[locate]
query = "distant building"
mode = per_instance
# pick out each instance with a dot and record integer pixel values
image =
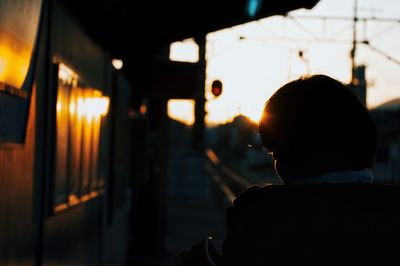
(359, 84)
(387, 164)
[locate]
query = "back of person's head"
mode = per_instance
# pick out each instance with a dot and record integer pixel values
(315, 125)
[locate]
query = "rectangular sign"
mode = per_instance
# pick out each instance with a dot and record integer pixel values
(19, 23)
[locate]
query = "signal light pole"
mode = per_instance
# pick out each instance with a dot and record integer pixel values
(200, 100)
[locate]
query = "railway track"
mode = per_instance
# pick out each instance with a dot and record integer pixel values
(230, 182)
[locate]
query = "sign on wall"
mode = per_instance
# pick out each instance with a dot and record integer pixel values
(19, 23)
(19, 27)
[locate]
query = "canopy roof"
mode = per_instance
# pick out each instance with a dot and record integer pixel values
(133, 30)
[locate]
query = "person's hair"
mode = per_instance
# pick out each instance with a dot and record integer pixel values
(317, 120)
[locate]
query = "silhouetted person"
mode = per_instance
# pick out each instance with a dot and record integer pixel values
(316, 126)
(328, 212)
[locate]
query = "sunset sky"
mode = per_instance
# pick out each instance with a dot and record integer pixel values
(255, 59)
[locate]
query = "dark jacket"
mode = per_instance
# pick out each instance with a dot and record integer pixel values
(321, 224)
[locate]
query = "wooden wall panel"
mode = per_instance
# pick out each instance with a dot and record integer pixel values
(16, 198)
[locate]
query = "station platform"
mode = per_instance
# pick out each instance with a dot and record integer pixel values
(195, 206)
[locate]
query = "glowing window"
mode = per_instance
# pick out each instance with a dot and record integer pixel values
(78, 122)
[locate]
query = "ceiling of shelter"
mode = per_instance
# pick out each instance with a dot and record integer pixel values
(134, 30)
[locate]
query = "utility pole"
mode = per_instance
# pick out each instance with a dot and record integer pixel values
(358, 83)
(353, 50)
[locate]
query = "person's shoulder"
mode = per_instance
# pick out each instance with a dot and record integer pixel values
(257, 193)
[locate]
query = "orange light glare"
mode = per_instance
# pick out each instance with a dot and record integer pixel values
(67, 75)
(72, 108)
(59, 106)
(91, 107)
(143, 109)
(103, 103)
(19, 23)
(79, 112)
(13, 65)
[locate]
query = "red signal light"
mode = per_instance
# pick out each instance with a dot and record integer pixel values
(216, 88)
